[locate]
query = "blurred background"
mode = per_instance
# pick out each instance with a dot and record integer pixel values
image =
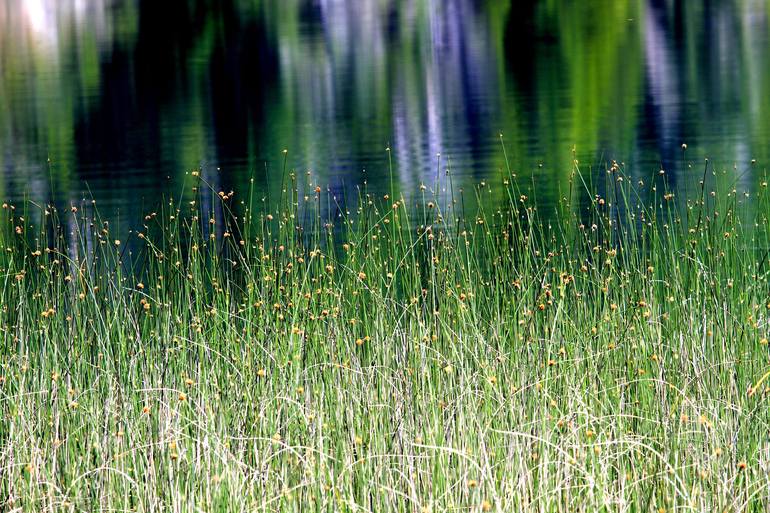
(119, 99)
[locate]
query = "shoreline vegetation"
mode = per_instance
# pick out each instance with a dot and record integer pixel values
(398, 356)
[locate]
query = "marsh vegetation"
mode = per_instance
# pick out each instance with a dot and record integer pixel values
(431, 352)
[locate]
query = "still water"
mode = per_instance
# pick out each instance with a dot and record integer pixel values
(117, 100)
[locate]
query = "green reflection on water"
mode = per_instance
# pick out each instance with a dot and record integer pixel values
(121, 95)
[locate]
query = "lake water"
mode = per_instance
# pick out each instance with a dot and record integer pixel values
(119, 100)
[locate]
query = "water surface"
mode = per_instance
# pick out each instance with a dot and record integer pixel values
(119, 100)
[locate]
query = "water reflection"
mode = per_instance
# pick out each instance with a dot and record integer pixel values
(125, 97)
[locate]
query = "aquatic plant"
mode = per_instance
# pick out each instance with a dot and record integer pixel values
(429, 353)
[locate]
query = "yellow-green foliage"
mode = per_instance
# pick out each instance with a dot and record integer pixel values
(391, 355)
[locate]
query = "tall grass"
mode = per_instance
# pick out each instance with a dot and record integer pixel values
(442, 353)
